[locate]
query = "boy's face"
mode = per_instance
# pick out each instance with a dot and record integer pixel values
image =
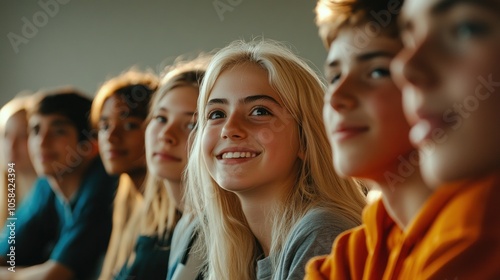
(363, 113)
(53, 145)
(449, 72)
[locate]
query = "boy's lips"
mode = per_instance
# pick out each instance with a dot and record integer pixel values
(345, 131)
(425, 126)
(47, 157)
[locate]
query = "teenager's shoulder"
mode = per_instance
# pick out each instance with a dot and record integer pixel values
(97, 179)
(317, 218)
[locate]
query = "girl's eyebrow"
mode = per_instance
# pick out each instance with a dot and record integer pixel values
(217, 101)
(165, 110)
(253, 98)
(246, 100)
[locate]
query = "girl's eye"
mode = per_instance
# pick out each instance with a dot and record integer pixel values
(261, 112)
(380, 73)
(468, 30)
(60, 131)
(216, 115)
(103, 126)
(191, 125)
(131, 125)
(160, 119)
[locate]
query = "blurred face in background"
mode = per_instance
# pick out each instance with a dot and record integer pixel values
(53, 145)
(167, 133)
(449, 72)
(121, 137)
(363, 113)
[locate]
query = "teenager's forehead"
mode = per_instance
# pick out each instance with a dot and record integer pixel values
(347, 46)
(50, 119)
(417, 8)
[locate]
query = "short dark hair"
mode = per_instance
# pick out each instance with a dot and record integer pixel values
(133, 86)
(69, 103)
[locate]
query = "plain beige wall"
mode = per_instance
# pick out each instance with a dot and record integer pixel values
(81, 43)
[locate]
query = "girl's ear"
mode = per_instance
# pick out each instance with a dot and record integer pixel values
(301, 153)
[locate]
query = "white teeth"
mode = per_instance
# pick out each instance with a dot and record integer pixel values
(239, 155)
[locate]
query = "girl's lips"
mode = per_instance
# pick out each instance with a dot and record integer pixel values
(113, 154)
(166, 157)
(236, 155)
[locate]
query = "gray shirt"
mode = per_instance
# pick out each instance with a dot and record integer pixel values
(185, 263)
(313, 235)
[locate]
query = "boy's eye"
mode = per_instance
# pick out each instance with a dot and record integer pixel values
(216, 115)
(380, 73)
(260, 112)
(468, 30)
(335, 78)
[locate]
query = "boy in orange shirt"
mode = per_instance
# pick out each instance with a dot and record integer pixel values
(449, 72)
(448, 68)
(369, 136)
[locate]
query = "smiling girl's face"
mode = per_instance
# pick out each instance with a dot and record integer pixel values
(250, 141)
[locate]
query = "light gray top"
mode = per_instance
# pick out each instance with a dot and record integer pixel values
(313, 235)
(184, 264)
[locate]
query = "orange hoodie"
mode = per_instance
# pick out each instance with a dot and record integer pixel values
(456, 235)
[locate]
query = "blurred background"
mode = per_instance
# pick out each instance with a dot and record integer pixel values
(50, 43)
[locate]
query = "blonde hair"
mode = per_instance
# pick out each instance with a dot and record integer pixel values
(230, 245)
(129, 199)
(18, 104)
(155, 213)
(332, 15)
(158, 205)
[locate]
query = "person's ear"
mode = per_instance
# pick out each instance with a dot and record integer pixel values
(301, 153)
(90, 147)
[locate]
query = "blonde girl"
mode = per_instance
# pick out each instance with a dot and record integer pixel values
(260, 175)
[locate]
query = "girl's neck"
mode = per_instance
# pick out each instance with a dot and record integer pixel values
(258, 207)
(137, 176)
(175, 190)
